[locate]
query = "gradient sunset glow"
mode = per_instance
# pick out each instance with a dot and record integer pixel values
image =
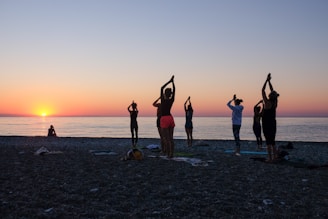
(93, 58)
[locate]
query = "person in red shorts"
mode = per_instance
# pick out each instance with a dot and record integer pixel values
(167, 121)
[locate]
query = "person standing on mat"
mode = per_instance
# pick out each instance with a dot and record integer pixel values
(158, 123)
(167, 121)
(132, 108)
(188, 125)
(269, 123)
(237, 110)
(257, 128)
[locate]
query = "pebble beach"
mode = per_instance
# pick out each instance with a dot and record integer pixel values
(87, 178)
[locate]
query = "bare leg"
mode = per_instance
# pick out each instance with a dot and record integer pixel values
(275, 152)
(188, 136)
(136, 139)
(170, 142)
(132, 137)
(269, 149)
(259, 143)
(191, 139)
(165, 138)
(163, 149)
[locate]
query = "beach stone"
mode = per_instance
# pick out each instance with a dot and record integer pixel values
(229, 187)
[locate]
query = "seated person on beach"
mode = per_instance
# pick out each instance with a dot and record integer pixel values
(52, 132)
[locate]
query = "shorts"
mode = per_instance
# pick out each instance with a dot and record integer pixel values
(167, 122)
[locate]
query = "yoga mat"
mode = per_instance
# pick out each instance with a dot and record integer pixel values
(192, 161)
(246, 152)
(95, 152)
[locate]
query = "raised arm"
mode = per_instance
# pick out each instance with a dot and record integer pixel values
(173, 88)
(270, 85)
(129, 107)
(264, 96)
(261, 101)
(256, 105)
(163, 87)
(185, 104)
(156, 104)
(229, 103)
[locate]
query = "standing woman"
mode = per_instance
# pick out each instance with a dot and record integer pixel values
(257, 128)
(158, 123)
(237, 111)
(269, 118)
(133, 122)
(167, 121)
(188, 125)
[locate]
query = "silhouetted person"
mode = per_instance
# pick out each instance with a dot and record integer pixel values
(257, 128)
(158, 122)
(269, 118)
(132, 108)
(167, 121)
(237, 111)
(51, 131)
(188, 125)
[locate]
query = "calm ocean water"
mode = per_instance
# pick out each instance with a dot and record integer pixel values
(289, 129)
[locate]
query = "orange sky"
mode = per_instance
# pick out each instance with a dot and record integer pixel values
(94, 59)
(114, 101)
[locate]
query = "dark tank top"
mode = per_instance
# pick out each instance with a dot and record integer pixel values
(269, 115)
(133, 116)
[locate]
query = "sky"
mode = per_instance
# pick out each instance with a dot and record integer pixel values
(93, 58)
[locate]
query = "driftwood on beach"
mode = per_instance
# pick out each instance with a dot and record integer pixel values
(86, 178)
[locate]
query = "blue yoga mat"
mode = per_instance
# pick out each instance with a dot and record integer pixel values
(246, 152)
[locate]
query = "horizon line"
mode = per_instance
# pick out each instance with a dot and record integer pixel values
(49, 116)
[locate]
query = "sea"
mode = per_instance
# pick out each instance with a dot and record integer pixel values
(307, 129)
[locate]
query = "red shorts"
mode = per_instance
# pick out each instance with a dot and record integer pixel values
(167, 122)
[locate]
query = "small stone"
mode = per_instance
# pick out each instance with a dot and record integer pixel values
(267, 202)
(48, 210)
(94, 190)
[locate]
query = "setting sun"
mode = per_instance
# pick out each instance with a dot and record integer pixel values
(43, 112)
